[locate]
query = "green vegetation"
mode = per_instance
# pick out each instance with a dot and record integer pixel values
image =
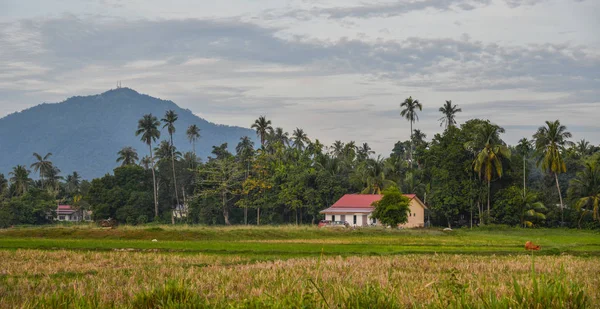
(467, 176)
(295, 266)
(393, 208)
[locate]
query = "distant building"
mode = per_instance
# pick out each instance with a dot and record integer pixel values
(70, 214)
(356, 209)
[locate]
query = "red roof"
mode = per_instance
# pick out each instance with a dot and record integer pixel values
(357, 203)
(64, 207)
(361, 200)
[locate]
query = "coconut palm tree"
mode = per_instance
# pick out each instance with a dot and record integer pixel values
(524, 148)
(169, 123)
(263, 128)
(531, 210)
(364, 151)
(586, 188)
(583, 148)
(127, 156)
(375, 178)
(42, 166)
(449, 111)
(300, 138)
(53, 178)
(549, 141)
(488, 162)
(146, 162)
(73, 182)
(3, 185)
(20, 180)
(164, 151)
(148, 129)
(278, 136)
(193, 134)
(409, 112)
(337, 149)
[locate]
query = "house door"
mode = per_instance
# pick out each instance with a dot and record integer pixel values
(365, 220)
(343, 219)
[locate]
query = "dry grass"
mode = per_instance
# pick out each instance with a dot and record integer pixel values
(115, 278)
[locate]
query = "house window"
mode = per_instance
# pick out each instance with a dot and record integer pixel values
(332, 217)
(61, 217)
(354, 219)
(374, 221)
(414, 215)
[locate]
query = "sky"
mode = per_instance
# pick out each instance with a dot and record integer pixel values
(339, 69)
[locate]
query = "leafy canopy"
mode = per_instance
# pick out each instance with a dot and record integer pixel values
(393, 207)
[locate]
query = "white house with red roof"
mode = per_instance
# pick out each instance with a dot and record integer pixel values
(356, 209)
(71, 214)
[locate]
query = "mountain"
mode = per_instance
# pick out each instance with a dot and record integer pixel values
(85, 133)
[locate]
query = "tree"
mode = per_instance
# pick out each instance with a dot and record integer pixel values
(524, 148)
(148, 129)
(489, 159)
(222, 179)
(375, 179)
(193, 134)
(364, 151)
(410, 113)
(449, 111)
(585, 188)
(263, 128)
(73, 183)
(146, 162)
(169, 123)
(300, 139)
(42, 166)
(20, 180)
(278, 136)
(127, 156)
(550, 140)
(583, 148)
(392, 209)
(245, 152)
(3, 185)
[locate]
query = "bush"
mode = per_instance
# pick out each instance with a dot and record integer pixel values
(142, 219)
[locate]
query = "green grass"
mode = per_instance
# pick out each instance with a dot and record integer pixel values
(301, 241)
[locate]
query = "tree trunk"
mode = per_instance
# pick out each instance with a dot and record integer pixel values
(562, 219)
(524, 177)
(154, 184)
(479, 210)
(225, 210)
(174, 177)
(410, 156)
(488, 202)
(258, 216)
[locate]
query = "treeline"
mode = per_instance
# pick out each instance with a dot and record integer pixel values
(467, 175)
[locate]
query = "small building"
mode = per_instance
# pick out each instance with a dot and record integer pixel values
(356, 209)
(70, 214)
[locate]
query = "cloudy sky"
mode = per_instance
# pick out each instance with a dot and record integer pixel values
(337, 68)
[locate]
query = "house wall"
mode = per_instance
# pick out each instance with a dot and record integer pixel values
(349, 218)
(417, 215)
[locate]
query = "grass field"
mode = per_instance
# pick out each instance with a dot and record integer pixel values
(282, 267)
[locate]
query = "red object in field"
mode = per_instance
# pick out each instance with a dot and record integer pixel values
(530, 246)
(323, 223)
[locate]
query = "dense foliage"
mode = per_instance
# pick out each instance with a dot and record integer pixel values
(467, 176)
(393, 208)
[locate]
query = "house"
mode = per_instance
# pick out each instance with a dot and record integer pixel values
(356, 209)
(70, 214)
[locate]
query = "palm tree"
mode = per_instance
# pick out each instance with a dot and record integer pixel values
(531, 210)
(245, 151)
(583, 148)
(524, 147)
(375, 176)
(586, 187)
(193, 134)
(73, 183)
(364, 151)
(337, 149)
(42, 166)
(164, 151)
(3, 185)
(148, 129)
(263, 128)
(169, 123)
(146, 162)
(20, 179)
(53, 178)
(449, 111)
(127, 156)
(549, 141)
(278, 136)
(489, 159)
(410, 113)
(299, 138)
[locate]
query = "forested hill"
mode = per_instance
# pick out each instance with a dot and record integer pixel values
(84, 134)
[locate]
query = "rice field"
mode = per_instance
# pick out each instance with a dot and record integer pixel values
(56, 268)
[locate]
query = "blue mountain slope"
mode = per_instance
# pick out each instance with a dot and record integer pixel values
(84, 134)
